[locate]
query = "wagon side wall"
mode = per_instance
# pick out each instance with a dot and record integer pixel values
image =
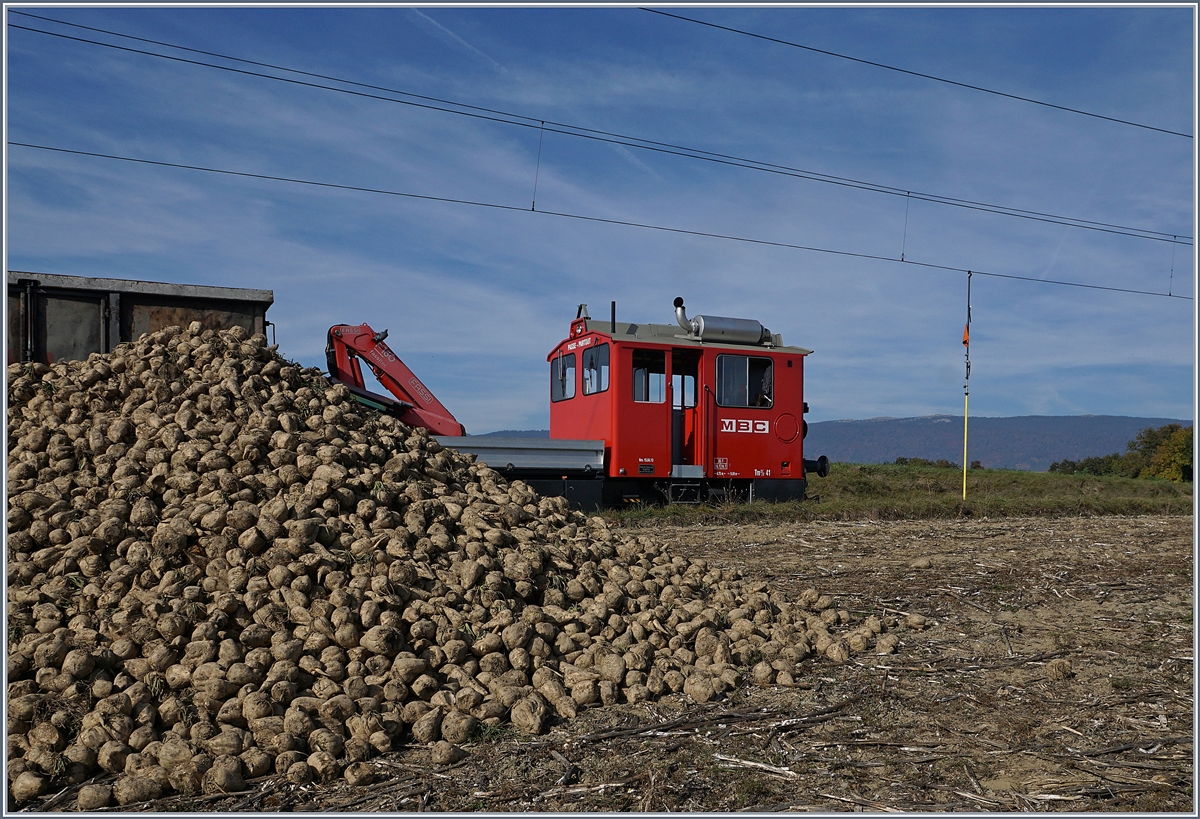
(59, 318)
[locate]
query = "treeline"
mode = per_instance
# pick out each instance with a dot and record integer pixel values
(940, 463)
(1165, 452)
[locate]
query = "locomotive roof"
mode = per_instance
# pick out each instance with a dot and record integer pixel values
(673, 334)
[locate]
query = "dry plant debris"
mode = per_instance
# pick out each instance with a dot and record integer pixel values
(221, 568)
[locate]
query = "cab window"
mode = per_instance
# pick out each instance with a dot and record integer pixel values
(595, 369)
(650, 376)
(745, 381)
(562, 377)
(683, 391)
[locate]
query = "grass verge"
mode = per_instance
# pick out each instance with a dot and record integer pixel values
(891, 492)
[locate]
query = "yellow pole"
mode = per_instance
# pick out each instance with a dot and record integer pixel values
(964, 445)
(966, 381)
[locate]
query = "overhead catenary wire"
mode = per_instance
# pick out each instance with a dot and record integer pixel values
(904, 241)
(537, 170)
(584, 217)
(1171, 281)
(520, 120)
(1017, 97)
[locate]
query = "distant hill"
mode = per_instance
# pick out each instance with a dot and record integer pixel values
(1030, 442)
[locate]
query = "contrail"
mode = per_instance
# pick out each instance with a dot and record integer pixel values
(456, 38)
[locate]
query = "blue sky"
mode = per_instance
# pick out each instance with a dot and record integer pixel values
(475, 297)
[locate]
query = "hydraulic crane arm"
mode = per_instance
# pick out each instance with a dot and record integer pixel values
(347, 344)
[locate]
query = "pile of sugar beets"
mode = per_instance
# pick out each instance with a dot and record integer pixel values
(220, 567)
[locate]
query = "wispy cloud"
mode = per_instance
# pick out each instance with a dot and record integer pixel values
(475, 297)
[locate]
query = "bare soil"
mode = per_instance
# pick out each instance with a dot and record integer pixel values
(1054, 674)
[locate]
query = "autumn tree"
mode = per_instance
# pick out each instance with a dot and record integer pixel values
(1172, 458)
(1156, 452)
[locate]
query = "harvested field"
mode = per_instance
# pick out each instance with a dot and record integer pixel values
(980, 711)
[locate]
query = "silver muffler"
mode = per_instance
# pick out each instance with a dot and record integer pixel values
(721, 328)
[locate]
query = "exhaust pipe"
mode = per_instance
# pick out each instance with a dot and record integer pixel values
(681, 317)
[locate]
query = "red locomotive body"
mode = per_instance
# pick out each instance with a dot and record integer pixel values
(707, 409)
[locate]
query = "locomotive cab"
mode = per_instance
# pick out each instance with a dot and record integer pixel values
(706, 409)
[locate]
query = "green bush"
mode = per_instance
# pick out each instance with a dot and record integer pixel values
(1099, 465)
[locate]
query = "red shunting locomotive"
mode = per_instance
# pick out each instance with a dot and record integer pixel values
(706, 409)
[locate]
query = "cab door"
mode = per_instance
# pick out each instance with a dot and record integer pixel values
(687, 448)
(642, 446)
(741, 417)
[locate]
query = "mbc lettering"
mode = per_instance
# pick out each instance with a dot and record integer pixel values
(745, 425)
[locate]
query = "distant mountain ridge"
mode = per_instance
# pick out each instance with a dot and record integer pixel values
(1029, 442)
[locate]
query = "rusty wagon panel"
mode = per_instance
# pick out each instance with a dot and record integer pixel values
(55, 318)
